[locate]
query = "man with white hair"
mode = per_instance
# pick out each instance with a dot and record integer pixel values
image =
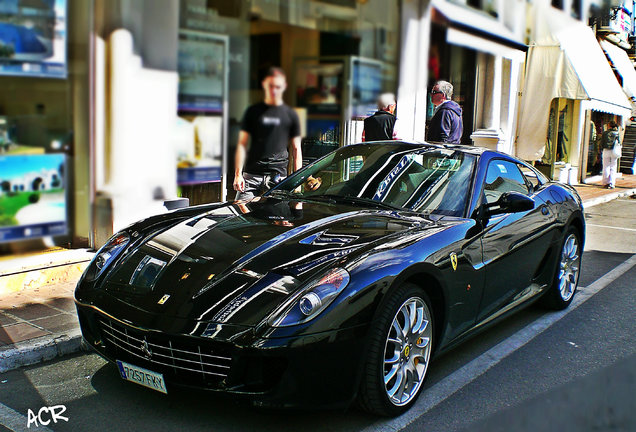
(382, 125)
(446, 125)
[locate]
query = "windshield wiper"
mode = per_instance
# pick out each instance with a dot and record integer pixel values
(282, 193)
(357, 200)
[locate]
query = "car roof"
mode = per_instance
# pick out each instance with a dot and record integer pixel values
(463, 148)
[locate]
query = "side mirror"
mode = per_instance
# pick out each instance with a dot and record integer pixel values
(510, 202)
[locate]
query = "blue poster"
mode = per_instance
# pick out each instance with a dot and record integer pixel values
(32, 196)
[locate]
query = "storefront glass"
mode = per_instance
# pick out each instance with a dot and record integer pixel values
(457, 65)
(338, 57)
(36, 120)
(599, 122)
(556, 162)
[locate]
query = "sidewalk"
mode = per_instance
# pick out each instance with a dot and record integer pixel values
(37, 313)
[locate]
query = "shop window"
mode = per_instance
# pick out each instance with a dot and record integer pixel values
(577, 9)
(559, 139)
(334, 52)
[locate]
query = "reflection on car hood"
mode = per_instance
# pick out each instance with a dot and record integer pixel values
(237, 263)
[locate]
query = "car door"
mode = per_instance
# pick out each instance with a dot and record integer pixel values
(514, 244)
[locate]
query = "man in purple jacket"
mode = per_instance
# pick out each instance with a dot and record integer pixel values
(446, 125)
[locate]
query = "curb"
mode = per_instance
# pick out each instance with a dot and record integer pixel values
(609, 197)
(38, 270)
(39, 350)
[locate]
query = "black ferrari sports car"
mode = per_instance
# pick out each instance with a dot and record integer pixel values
(341, 283)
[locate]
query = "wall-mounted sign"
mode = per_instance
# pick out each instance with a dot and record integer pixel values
(202, 63)
(366, 87)
(33, 38)
(32, 196)
(622, 24)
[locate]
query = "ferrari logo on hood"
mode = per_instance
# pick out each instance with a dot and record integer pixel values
(453, 258)
(164, 299)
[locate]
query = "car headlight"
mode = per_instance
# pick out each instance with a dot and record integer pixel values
(106, 255)
(311, 300)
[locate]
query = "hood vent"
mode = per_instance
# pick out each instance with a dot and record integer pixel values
(324, 239)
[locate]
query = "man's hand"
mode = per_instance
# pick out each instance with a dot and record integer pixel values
(239, 183)
(239, 161)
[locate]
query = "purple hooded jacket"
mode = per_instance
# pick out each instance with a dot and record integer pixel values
(446, 125)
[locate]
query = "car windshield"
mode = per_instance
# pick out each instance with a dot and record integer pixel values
(421, 179)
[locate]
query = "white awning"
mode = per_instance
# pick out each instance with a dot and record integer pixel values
(461, 38)
(470, 19)
(566, 62)
(624, 66)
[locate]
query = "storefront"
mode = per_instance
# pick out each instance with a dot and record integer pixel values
(174, 100)
(479, 50)
(569, 88)
(44, 166)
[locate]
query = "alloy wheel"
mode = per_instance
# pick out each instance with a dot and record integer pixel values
(407, 351)
(569, 267)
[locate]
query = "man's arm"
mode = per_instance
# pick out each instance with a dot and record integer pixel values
(446, 125)
(296, 154)
(397, 134)
(239, 161)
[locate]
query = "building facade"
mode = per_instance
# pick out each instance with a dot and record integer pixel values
(136, 103)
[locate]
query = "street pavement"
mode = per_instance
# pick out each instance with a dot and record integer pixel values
(545, 373)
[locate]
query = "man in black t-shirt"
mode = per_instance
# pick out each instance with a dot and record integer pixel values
(270, 126)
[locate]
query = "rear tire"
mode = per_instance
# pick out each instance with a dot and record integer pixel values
(401, 341)
(568, 269)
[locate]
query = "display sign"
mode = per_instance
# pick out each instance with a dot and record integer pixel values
(197, 175)
(33, 38)
(366, 87)
(32, 196)
(202, 60)
(622, 24)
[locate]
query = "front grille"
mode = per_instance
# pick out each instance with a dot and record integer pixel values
(186, 360)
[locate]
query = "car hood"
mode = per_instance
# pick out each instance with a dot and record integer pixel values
(239, 262)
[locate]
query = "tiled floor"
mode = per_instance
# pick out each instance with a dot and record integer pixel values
(37, 312)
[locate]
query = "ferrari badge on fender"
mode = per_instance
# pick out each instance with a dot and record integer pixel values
(453, 257)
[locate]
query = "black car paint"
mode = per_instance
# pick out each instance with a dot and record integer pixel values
(380, 248)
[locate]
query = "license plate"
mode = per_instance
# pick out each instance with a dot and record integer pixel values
(142, 376)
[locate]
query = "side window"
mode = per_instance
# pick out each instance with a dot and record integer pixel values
(503, 176)
(530, 176)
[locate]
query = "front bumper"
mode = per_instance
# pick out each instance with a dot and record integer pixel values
(319, 370)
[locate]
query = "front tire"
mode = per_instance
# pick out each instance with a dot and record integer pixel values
(399, 353)
(568, 270)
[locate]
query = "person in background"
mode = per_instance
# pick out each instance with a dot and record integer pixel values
(271, 128)
(383, 124)
(446, 125)
(610, 140)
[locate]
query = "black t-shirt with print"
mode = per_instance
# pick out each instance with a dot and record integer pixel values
(270, 128)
